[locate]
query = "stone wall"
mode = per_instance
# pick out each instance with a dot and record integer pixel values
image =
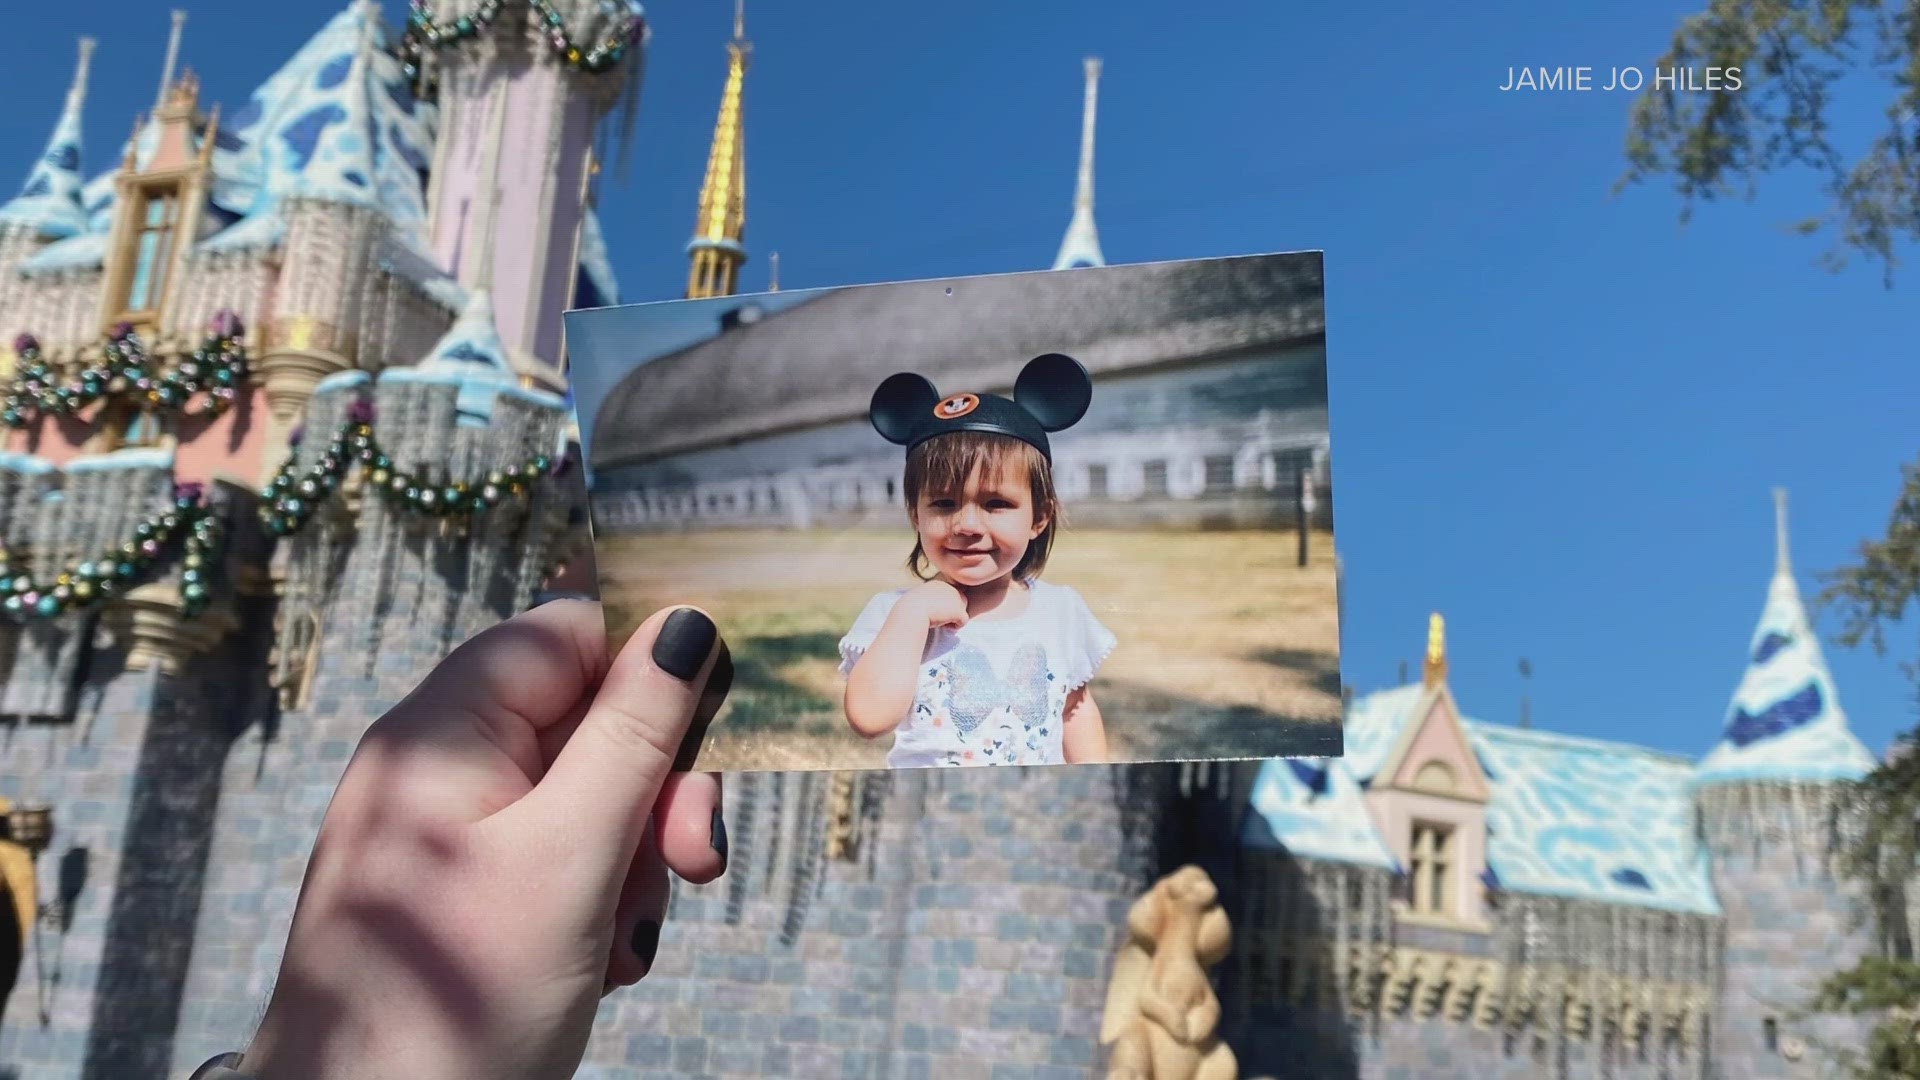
(969, 936)
(1790, 923)
(131, 776)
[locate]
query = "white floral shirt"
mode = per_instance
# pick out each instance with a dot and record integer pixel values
(993, 692)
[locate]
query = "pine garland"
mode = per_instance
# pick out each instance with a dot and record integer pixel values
(213, 375)
(291, 498)
(423, 33)
(82, 584)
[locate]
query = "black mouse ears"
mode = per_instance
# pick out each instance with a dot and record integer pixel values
(1053, 391)
(902, 406)
(1056, 389)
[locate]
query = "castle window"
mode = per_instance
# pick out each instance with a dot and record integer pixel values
(1771, 1030)
(1097, 481)
(152, 249)
(1432, 865)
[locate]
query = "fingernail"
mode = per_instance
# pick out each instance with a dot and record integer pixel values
(719, 831)
(646, 941)
(684, 642)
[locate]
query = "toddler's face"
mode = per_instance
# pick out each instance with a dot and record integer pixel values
(981, 533)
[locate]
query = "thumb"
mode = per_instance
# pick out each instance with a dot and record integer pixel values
(595, 800)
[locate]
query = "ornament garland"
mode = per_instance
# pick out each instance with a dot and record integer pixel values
(82, 584)
(291, 498)
(423, 33)
(213, 374)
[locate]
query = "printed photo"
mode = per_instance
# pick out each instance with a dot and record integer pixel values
(1070, 517)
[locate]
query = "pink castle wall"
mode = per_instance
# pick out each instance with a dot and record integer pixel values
(231, 446)
(522, 220)
(529, 293)
(1440, 740)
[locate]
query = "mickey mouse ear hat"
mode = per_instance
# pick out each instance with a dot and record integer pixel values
(1052, 394)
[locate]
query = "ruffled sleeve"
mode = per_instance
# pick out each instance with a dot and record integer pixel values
(1088, 641)
(865, 629)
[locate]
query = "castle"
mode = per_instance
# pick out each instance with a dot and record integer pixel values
(285, 422)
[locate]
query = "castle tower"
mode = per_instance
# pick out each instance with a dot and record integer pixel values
(1764, 799)
(1081, 246)
(520, 101)
(49, 204)
(717, 247)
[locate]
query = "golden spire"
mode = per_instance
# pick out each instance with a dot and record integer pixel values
(717, 248)
(1436, 667)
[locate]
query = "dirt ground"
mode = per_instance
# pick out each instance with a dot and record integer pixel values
(1227, 648)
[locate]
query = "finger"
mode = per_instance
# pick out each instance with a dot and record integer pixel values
(690, 827)
(641, 913)
(714, 695)
(596, 798)
(532, 668)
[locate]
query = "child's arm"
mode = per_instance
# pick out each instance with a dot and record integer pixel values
(1085, 734)
(881, 687)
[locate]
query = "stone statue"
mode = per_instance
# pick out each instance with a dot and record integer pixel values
(1162, 1014)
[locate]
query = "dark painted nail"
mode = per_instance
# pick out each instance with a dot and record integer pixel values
(684, 642)
(646, 941)
(719, 831)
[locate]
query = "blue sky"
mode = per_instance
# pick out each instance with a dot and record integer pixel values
(1557, 414)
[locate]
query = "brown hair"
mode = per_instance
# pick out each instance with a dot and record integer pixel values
(945, 462)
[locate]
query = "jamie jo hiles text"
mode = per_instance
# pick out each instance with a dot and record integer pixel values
(1630, 79)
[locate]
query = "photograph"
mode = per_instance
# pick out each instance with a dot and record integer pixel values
(1067, 517)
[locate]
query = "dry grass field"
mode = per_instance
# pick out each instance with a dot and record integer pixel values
(1227, 648)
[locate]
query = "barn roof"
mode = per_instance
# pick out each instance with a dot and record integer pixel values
(819, 361)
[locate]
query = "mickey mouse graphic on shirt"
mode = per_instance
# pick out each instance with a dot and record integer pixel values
(983, 663)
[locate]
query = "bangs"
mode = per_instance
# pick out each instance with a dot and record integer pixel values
(942, 465)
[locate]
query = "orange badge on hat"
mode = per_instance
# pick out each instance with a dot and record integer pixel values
(957, 406)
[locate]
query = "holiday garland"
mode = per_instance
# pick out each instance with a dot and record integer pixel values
(82, 584)
(216, 370)
(423, 33)
(292, 499)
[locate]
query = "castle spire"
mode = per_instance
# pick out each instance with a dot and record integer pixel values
(717, 247)
(1081, 247)
(173, 58)
(1783, 564)
(49, 203)
(1436, 666)
(1785, 722)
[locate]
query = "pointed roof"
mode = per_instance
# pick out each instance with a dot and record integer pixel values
(1566, 816)
(472, 356)
(337, 122)
(722, 223)
(1785, 722)
(50, 201)
(1081, 246)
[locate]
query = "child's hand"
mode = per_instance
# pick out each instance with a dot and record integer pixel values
(941, 603)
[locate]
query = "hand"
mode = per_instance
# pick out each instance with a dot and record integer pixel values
(495, 857)
(940, 602)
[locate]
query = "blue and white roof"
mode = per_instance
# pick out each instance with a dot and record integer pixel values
(1583, 818)
(1591, 820)
(50, 201)
(1570, 817)
(1785, 722)
(338, 122)
(472, 356)
(599, 286)
(1313, 808)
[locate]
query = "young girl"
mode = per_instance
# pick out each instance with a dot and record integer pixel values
(983, 663)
